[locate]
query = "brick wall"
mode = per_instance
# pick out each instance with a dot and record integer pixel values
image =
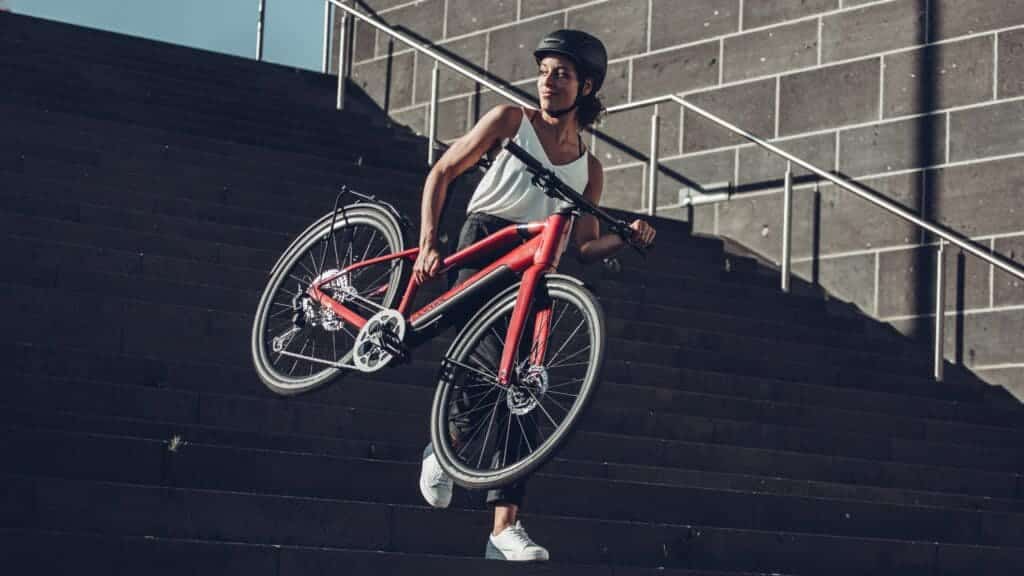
(920, 100)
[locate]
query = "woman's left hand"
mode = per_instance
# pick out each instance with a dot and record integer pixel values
(643, 233)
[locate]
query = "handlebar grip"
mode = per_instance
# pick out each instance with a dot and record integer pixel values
(621, 228)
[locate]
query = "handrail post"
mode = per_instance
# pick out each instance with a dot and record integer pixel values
(940, 310)
(652, 168)
(327, 39)
(259, 30)
(344, 56)
(435, 75)
(787, 227)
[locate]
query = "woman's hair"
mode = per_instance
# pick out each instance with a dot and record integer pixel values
(589, 111)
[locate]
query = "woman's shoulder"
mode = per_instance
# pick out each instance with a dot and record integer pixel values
(507, 115)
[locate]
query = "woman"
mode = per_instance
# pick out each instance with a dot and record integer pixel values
(571, 68)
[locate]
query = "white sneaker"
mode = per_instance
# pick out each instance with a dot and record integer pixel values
(435, 485)
(514, 544)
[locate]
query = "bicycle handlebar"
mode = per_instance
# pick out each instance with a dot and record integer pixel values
(554, 187)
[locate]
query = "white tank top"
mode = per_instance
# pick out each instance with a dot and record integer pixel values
(507, 191)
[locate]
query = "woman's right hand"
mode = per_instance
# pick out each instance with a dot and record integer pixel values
(428, 263)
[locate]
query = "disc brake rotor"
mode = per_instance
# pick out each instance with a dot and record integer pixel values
(524, 396)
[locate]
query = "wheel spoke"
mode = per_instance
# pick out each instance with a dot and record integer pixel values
(487, 435)
(569, 339)
(570, 357)
(526, 437)
(508, 432)
(541, 406)
(472, 369)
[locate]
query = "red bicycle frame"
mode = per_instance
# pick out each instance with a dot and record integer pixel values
(545, 241)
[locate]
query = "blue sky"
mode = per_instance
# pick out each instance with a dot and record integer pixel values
(293, 28)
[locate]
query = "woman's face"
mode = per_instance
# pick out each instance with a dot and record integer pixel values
(557, 84)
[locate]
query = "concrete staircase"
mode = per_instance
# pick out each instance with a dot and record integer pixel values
(145, 192)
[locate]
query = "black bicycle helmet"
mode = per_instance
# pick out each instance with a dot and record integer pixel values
(585, 51)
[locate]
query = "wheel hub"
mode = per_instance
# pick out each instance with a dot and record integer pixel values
(523, 397)
(339, 288)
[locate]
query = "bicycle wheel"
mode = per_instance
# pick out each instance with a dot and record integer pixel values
(297, 343)
(485, 435)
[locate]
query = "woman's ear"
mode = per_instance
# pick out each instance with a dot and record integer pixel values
(588, 87)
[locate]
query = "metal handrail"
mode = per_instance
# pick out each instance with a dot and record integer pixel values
(939, 230)
(944, 233)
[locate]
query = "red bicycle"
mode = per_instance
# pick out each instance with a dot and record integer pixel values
(501, 408)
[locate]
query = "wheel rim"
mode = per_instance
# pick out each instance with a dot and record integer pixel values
(291, 322)
(493, 431)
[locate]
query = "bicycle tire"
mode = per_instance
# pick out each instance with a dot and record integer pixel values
(457, 461)
(314, 253)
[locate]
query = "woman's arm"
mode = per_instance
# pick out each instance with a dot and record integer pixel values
(501, 122)
(593, 246)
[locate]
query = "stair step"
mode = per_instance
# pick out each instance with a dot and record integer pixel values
(174, 556)
(102, 508)
(394, 436)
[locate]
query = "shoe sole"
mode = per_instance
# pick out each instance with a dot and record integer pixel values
(493, 553)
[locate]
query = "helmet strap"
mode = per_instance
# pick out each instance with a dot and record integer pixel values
(560, 113)
(575, 104)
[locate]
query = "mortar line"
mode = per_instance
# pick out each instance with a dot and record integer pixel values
(650, 22)
(736, 82)
(740, 33)
(996, 366)
(949, 124)
(884, 249)
(821, 26)
(736, 169)
(519, 10)
(629, 81)
(992, 278)
(444, 22)
(721, 61)
(839, 149)
(682, 121)
(859, 178)
(487, 51)
(881, 88)
(954, 313)
(995, 66)
(778, 104)
(835, 164)
(878, 265)
(740, 26)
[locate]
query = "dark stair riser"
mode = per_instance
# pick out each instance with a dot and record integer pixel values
(101, 508)
(149, 463)
(605, 416)
(403, 437)
(172, 557)
(208, 336)
(654, 409)
(188, 374)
